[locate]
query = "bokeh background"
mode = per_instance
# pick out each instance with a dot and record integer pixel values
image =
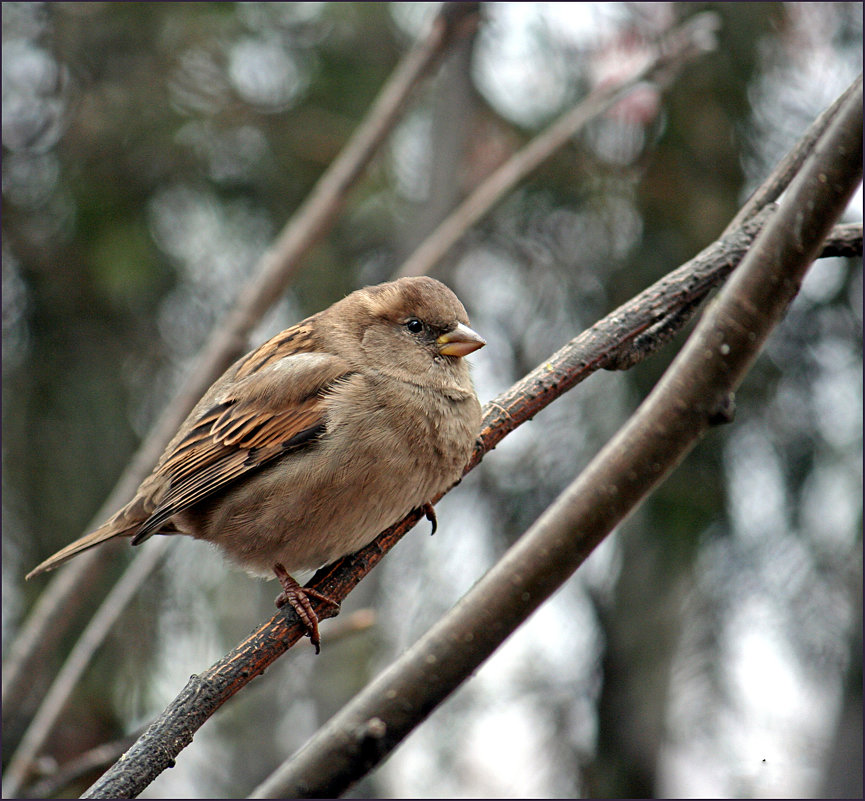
(712, 646)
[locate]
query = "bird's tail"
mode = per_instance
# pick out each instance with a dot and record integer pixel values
(118, 526)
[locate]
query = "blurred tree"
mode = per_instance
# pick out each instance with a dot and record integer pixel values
(150, 152)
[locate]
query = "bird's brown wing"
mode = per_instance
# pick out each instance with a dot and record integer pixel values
(273, 406)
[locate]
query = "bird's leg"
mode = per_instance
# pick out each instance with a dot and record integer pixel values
(430, 514)
(297, 598)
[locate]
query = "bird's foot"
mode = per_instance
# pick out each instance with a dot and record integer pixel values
(297, 598)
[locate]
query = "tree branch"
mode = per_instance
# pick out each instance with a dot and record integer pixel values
(695, 393)
(843, 240)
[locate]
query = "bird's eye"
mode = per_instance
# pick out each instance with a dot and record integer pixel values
(414, 325)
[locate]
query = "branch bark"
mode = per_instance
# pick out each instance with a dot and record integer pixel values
(695, 394)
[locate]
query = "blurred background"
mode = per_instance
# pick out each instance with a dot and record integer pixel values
(712, 646)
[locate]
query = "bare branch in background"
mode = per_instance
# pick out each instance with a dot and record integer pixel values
(76, 663)
(691, 39)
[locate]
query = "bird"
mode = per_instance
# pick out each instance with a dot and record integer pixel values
(309, 446)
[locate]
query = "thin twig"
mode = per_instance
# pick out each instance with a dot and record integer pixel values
(101, 756)
(843, 240)
(787, 169)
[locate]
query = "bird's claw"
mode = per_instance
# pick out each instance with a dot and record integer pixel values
(430, 515)
(297, 598)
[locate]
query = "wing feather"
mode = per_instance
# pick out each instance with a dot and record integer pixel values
(274, 405)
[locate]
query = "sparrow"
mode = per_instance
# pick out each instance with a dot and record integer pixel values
(312, 444)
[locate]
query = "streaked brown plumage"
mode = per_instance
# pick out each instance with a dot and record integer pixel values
(309, 446)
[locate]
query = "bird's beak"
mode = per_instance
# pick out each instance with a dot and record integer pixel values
(460, 342)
